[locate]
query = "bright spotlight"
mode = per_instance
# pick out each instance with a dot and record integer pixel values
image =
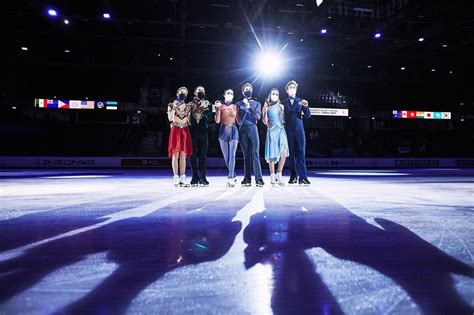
(269, 64)
(52, 12)
(324, 31)
(106, 15)
(378, 35)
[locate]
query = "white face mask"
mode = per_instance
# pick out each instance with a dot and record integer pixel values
(274, 98)
(228, 97)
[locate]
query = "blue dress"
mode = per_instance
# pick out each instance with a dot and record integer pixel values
(276, 135)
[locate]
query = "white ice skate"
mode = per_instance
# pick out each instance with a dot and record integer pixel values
(176, 180)
(273, 179)
(279, 179)
(231, 182)
(183, 181)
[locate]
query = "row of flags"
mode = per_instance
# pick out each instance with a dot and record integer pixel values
(113, 105)
(73, 104)
(409, 114)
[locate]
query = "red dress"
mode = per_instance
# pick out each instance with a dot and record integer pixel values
(180, 135)
(179, 141)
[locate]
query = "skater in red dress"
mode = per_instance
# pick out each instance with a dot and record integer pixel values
(179, 144)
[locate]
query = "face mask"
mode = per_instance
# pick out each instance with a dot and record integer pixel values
(274, 98)
(181, 97)
(201, 95)
(248, 94)
(228, 98)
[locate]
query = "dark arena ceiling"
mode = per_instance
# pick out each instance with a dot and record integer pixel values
(195, 41)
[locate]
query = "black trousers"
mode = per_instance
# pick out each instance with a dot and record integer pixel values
(297, 148)
(200, 145)
(250, 144)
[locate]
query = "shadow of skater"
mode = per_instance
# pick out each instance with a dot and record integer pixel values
(298, 289)
(280, 235)
(144, 248)
(38, 226)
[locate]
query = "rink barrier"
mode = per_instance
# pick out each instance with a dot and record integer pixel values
(163, 162)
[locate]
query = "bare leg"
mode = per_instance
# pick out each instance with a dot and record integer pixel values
(182, 163)
(271, 165)
(174, 163)
(281, 163)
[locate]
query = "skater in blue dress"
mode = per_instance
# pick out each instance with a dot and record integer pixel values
(276, 144)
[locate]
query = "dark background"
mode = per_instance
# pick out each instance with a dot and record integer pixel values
(149, 48)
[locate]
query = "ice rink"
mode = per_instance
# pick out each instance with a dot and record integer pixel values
(128, 241)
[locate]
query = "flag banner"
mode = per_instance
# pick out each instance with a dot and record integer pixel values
(74, 104)
(410, 114)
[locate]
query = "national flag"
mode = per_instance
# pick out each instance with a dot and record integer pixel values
(75, 104)
(39, 102)
(404, 114)
(437, 115)
(87, 104)
(49, 103)
(111, 105)
(429, 115)
(99, 105)
(63, 104)
(420, 115)
(411, 114)
(397, 114)
(446, 115)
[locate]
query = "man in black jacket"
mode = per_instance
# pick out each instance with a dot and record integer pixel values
(200, 116)
(295, 109)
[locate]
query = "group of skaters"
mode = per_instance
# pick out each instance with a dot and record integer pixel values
(285, 136)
